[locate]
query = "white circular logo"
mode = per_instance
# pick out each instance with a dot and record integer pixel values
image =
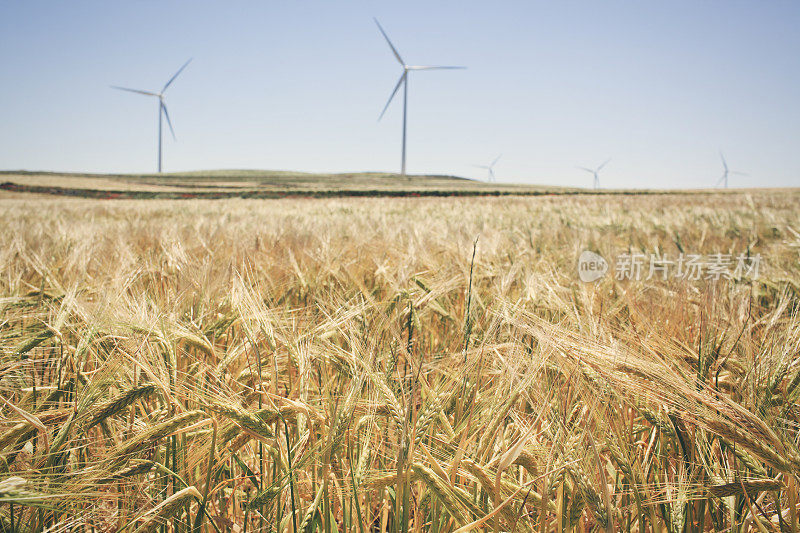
(591, 266)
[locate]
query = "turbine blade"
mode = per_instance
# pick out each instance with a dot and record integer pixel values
(435, 67)
(394, 50)
(496, 159)
(484, 167)
(719, 180)
(586, 169)
(724, 163)
(739, 173)
(604, 164)
(169, 122)
(396, 88)
(176, 75)
(146, 93)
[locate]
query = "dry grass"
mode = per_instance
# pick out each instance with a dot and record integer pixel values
(346, 365)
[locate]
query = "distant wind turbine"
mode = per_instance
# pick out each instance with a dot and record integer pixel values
(595, 172)
(724, 177)
(404, 82)
(490, 168)
(162, 107)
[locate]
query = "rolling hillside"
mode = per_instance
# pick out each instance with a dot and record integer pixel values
(253, 184)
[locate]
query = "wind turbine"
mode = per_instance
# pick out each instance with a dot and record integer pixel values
(162, 107)
(404, 82)
(490, 168)
(724, 177)
(595, 172)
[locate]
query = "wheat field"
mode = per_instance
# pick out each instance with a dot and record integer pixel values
(397, 365)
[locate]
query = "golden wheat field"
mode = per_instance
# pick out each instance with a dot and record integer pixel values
(398, 365)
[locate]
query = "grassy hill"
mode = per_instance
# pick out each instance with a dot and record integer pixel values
(254, 183)
(220, 184)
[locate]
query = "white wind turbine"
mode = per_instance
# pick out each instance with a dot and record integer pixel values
(595, 172)
(404, 82)
(490, 168)
(726, 171)
(162, 106)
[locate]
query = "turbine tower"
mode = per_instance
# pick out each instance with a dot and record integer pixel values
(490, 168)
(595, 172)
(162, 107)
(404, 82)
(724, 178)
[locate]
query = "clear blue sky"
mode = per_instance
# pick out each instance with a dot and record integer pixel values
(659, 86)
